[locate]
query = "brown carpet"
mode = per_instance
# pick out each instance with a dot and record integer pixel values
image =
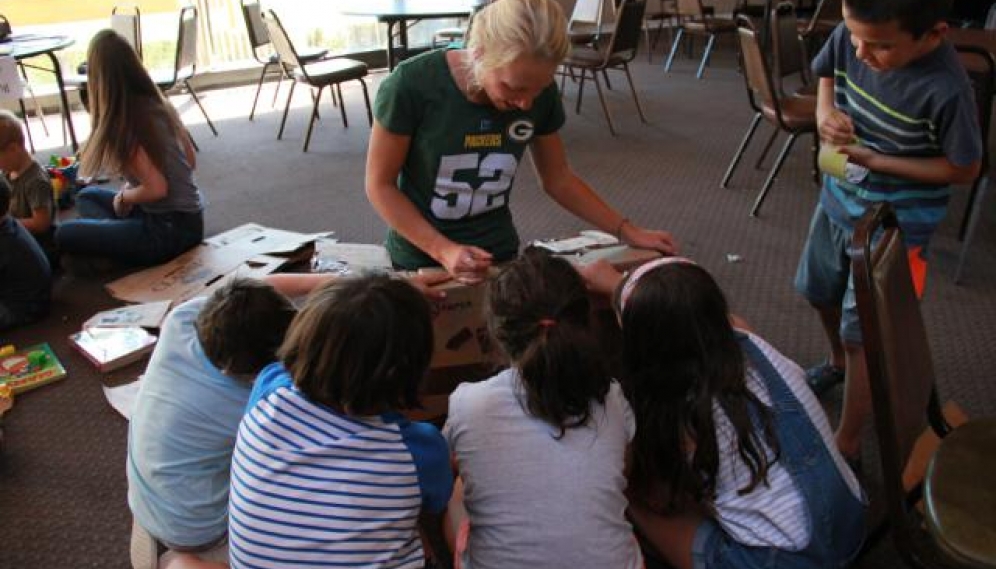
(62, 482)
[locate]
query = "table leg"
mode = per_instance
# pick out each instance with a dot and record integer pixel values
(66, 111)
(390, 45)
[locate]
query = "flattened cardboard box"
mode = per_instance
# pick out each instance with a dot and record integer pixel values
(249, 250)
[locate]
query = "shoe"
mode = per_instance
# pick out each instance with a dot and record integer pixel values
(823, 377)
(144, 550)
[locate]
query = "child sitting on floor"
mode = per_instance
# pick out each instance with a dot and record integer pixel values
(25, 275)
(32, 202)
(326, 472)
(541, 446)
(733, 463)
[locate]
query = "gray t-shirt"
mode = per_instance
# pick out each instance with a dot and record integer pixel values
(30, 191)
(181, 191)
(535, 500)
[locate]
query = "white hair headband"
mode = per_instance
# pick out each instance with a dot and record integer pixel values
(630, 282)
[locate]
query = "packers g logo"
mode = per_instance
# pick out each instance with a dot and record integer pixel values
(521, 130)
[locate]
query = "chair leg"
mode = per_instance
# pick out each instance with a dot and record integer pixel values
(705, 55)
(192, 141)
(764, 151)
(366, 101)
(774, 172)
(27, 125)
(605, 74)
(283, 121)
(314, 116)
(740, 150)
(674, 49)
(197, 100)
(342, 107)
(632, 89)
(972, 195)
(577, 105)
(982, 184)
(276, 90)
(601, 99)
(259, 87)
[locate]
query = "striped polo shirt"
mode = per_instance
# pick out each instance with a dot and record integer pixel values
(923, 109)
(315, 488)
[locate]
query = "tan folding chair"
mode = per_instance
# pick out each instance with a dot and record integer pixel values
(259, 37)
(794, 115)
(957, 528)
(696, 19)
(177, 80)
(620, 50)
(326, 73)
(127, 22)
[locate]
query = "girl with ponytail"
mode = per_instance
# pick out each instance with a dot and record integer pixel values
(541, 446)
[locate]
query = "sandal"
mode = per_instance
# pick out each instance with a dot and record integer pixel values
(823, 377)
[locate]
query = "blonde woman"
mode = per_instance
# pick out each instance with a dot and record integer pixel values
(451, 128)
(158, 213)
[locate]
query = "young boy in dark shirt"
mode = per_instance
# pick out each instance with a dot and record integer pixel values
(895, 99)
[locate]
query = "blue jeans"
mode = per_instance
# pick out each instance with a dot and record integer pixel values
(141, 238)
(836, 516)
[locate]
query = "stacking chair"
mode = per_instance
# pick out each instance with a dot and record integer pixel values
(958, 525)
(660, 12)
(259, 37)
(177, 80)
(794, 115)
(788, 61)
(128, 24)
(620, 50)
(695, 19)
(820, 25)
(981, 68)
(326, 73)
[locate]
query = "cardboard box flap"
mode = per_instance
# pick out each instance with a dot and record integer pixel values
(206, 266)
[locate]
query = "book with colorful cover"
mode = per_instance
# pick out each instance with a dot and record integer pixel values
(113, 348)
(29, 368)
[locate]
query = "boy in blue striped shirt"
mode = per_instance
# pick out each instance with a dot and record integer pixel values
(893, 95)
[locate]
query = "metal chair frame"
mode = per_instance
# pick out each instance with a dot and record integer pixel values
(185, 63)
(347, 70)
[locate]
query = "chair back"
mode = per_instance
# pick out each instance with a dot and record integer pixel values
(990, 23)
(760, 87)
(981, 68)
(691, 9)
(827, 11)
(282, 43)
(627, 30)
(897, 356)
(186, 45)
(787, 48)
(129, 26)
(252, 13)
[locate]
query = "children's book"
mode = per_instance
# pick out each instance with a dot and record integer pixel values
(113, 348)
(29, 368)
(146, 315)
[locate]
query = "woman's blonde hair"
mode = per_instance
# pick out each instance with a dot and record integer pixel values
(127, 110)
(509, 29)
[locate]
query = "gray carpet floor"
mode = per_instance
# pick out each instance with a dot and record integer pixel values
(62, 482)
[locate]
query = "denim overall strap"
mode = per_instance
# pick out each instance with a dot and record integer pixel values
(836, 516)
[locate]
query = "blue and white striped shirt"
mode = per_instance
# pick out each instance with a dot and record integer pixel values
(923, 109)
(315, 488)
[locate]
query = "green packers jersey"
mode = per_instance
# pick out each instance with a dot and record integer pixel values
(463, 156)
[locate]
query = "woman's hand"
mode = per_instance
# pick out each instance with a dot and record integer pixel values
(466, 263)
(657, 240)
(121, 208)
(600, 277)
